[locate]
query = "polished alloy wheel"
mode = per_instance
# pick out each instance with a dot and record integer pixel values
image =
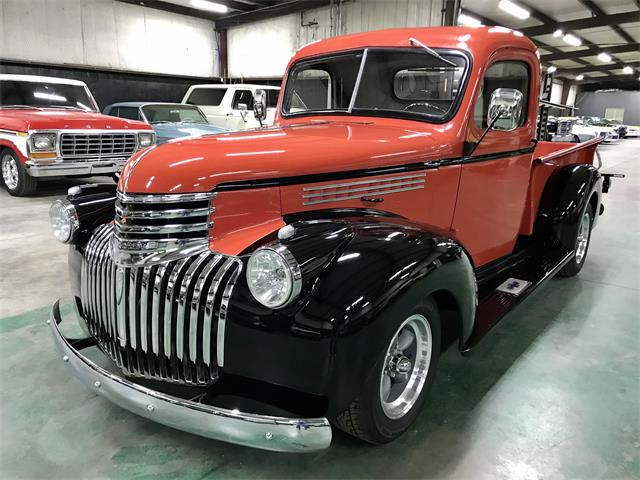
(583, 236)
(405, 367)
(9, 171)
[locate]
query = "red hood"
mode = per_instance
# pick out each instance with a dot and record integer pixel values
(200, 164)
(56, 119)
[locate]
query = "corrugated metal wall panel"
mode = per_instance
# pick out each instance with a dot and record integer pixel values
(262, 49)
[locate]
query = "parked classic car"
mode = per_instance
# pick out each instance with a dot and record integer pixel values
(594, 126)
(169, 120)
(230, 106)
(51, 127)
(399, 200)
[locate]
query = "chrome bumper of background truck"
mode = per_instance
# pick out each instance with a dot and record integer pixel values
(67, 168)
(258, 431)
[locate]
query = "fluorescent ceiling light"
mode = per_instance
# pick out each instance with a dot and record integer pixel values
(572, 40)
(558, 33)
(552, 69)
(604, 57)
(579, 77)
(209, 6)
(627, 70)
(468, 21)
(513, 9)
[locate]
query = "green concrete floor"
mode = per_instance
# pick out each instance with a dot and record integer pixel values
(553, 393)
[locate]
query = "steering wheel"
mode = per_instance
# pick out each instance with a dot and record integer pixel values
(411, 106)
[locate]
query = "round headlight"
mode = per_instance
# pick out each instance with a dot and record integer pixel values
(273, 276)
(64, 221)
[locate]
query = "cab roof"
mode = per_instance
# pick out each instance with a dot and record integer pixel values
(40, 79)
(480, 42)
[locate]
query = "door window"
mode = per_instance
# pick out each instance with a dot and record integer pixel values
(242, 96)
(210, 97)
(509, 74)
(127, 112)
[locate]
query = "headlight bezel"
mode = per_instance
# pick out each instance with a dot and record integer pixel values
(72, 219)
(152, 139)
(291, 268)
(53, 142)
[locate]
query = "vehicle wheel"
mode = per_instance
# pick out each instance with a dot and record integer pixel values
(15, 177)
(583, 238)
(392, 399)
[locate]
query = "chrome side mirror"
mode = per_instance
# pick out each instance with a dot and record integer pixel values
(260, 105)
(506, 104)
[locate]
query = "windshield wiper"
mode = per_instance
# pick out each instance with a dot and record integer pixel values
(431, 52)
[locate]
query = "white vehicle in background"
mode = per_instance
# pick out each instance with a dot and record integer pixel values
(632, 132)
(586, 126)
(231, 106)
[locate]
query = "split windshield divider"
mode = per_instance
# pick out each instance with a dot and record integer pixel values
(358, 79)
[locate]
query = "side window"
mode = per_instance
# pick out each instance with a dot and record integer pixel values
(127, 112)
(508, 74)
(242, 96)
(210, 97)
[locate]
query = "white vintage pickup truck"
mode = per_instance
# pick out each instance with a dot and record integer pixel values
(230, 106)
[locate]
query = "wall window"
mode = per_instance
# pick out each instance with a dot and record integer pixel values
(507, 74)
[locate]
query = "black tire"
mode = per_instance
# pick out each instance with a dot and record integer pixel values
(365, 418)
(577, 262)
(22, 184)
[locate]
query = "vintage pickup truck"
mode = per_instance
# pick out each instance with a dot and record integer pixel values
(51, 127)
(258, 287)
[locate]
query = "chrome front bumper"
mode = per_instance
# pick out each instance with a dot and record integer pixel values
(258, 431)
(63, 169)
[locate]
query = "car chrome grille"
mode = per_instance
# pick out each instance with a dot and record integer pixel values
(164, 321)
(156, 228)
(338, 192)
(78, 145)
(564, 127)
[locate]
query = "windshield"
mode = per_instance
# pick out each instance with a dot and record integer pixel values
(42, 94)
(173, 114)
(407, 82)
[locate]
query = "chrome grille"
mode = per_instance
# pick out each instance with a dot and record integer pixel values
(164, 321)
(564, 127)
(76, 145)
(155, 228)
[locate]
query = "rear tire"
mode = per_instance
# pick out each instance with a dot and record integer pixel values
(14, 176)
(583, 239)
(392, 398)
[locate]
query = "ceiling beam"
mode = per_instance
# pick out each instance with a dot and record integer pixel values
(592, 22)
(275, 10)
(550, 57)
(598, 68)
(539, 43)
(173, 8)
(598, 12)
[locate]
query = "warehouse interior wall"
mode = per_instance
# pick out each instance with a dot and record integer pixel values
(595, 104)
(107, 34)
(263, 49)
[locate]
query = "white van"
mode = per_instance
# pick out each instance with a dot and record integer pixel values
(231, 106)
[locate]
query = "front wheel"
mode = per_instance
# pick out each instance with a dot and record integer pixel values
(583, 238)
(15, 177)
(390, 402)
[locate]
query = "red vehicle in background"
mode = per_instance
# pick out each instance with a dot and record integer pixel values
(51, 127)
(258, 287)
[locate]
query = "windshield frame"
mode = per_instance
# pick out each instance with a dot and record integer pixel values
(358, 112)
(175, 105)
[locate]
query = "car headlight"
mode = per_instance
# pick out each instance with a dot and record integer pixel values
(146, 139)
(64, 221)
(274, 276)
(43, 142)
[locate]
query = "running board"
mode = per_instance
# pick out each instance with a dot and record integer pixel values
(530, 271)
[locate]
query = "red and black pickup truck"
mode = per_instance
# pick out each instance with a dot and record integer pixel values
(259, 287)
(51, 127)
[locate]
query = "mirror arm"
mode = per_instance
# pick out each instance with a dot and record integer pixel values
(473, 145)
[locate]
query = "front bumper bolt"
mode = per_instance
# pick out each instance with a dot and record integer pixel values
(97, 384)
(150, 407)
(268, 435)
(65, 359)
